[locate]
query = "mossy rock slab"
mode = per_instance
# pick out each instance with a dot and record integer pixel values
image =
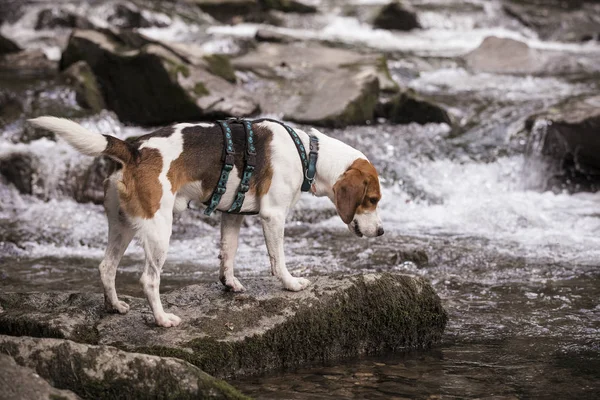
(104, 372)
(314, 84)
(88, 94)
(147, 82)
(25, 384)
(227, 334)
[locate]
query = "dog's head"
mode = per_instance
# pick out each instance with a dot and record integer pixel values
(357, 194)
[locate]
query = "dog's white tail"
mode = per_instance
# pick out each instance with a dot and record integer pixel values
(87, 142)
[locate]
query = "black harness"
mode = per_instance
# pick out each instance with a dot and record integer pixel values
(309, 162)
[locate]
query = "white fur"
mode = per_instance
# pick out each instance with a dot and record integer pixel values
(87, 142)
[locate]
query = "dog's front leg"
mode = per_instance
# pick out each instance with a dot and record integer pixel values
(273, 228)
(230, 232)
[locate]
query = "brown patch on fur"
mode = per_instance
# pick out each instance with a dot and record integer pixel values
(357, 191)
(201, 159)
(140, 190)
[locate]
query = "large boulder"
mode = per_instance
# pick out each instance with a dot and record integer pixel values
(82, 79)
(557, 20)
(567, 137)
(104, 372)
(226, 334)
(508, 56)
(25, 384)
(396, 16)
(313, 84)
(145, 82)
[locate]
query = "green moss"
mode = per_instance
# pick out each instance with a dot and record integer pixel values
(220, 65)
(200, 89)
(370, 317)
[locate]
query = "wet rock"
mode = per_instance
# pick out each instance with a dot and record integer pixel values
(28, 63)
(11, 108)
(396, 16)
(557, 20)
(250, 10)
(268, 35)
(266, 327)
(89, 186)
(103, 372)
(8, 46)
(88, 94)
(18, 169)
(51, 18)
(25, 384)
(313, 84)
(567, 137)
(407, 107)
(146, 82)
(128, 16)
(509, 56)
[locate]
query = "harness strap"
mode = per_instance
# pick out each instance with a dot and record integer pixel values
(228, 161)
(309, 163)
(250, 158)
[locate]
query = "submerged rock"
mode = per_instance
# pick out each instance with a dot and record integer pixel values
(18, 169)
(146, 82)
(25, 384)
(396, 16)
(103, 372)
(313, 84)
(568, 137)
(227, 334)
(28, 63)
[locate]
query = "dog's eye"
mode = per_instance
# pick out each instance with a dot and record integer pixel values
(373, 200)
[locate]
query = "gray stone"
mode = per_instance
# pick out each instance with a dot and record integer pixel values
(557, 20)
(88, 94)
(24, 384)
(28, 63)
(51, 18)
(313, 84)
(17, 168)
(568, 137)
(407, 107)
(146, 82)
(226, 334)
(250, 10)
(396, 16)
(509, 56)
(104, 372)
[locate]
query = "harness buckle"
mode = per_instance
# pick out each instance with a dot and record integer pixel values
(230, 159)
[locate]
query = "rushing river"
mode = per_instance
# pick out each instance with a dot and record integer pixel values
(516, 267)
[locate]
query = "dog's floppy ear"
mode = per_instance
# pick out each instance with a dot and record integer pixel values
(349, 192)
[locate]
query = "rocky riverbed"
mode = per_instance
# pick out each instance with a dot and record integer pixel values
(480, 115)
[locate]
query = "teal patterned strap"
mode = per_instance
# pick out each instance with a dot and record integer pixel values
(227, 167)
(250, 158)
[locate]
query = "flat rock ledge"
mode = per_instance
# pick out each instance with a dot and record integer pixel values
(103, 372)
(231, 334)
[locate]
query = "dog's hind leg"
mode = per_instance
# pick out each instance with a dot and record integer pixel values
(155, 234)
(230, 232)
(120, 233)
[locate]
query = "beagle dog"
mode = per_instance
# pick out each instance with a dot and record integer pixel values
(164, 170)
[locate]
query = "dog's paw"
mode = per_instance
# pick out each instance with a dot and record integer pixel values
(234, 285)
(297, 284)
(119, 307)
(167, 320)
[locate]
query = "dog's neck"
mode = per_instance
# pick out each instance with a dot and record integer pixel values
(334, 159)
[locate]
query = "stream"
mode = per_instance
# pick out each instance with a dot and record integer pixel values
(517, 268)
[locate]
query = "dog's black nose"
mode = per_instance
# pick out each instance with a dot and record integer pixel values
(379, 231)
